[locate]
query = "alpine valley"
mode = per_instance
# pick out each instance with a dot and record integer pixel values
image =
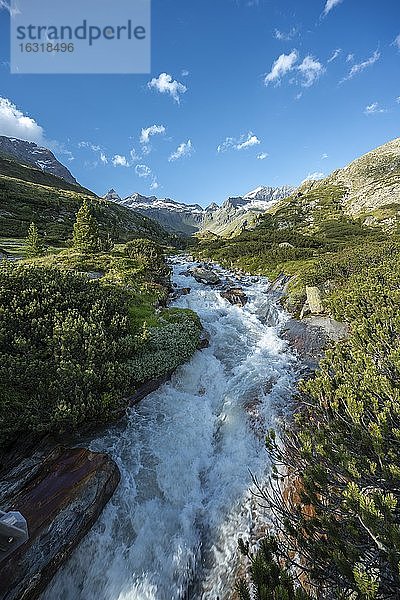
(200, 402)
(234, 215)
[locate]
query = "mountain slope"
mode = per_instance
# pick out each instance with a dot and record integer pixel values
(178, 218)
(28, 194)
(29, 153)
(367, 189)
(356, 207)
(228, 219)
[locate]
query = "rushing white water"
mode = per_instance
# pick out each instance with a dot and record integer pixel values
(185, 454)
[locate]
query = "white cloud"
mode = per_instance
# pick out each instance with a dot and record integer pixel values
(262, 155)
(243, 143)
(143, 171)
(330, 4)
(316, 176)
(134, 155)
(396, 42)
(119, 160)
(283, 36)
(149, 131)
(311, 70)
(335, 54)
(103, 158)
(13, 123)
(350, 58)
(298, 96)
(398, 99)
(89, 145)
(185, 73)
(184, 149)
(283, 64)
(374, 109)
(165, 84)
(252, 140)
(324, 156)
(360, 67)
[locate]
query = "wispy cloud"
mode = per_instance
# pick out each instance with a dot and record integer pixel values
(184, 149)
(252, 140)
(324, 156)
(374, 109)
(360, 67)
(330, 4)
(350, 58)
(316, 176)
(396, 42)
(282, 65)
(335, 55)
(165, 84)
(103, 158)
(144, 172)
(310, 69)
(119, 160)
(244, 142)
(285, 36)
(90, 146)
(262, 156)
(147, 132)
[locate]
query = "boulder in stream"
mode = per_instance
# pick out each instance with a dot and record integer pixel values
(235, 296)
(206, 276)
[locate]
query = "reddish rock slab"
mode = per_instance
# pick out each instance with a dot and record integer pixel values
(61, 495)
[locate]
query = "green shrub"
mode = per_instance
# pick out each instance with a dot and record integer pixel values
(65, 346)
(344, 447)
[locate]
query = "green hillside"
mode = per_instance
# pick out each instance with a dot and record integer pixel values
(28, 194)
(354, 208)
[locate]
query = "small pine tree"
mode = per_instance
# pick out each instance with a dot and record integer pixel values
(34, 245)
(86, 233)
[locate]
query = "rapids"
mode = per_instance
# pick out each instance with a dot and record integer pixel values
(186, 454)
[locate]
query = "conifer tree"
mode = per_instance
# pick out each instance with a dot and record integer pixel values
(86, 232)
(34, 245)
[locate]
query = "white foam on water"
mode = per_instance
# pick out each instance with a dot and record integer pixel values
(185, 456)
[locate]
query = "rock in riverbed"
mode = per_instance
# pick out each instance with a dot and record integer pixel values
(235, 296)
(203, 275)
(61, 494)
(178, 292)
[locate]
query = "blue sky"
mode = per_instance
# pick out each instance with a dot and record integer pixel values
(275, 91)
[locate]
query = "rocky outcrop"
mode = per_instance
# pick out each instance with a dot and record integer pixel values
(313, 304)
(235, 296)
(311, 336)
(61, 493)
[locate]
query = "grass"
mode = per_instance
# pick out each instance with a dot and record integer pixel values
(27, 195)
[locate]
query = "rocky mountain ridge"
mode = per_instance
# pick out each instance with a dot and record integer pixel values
(231, 217)
(29, 153)
(368, 189)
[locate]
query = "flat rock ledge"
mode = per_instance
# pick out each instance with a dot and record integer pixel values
(61, 493)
